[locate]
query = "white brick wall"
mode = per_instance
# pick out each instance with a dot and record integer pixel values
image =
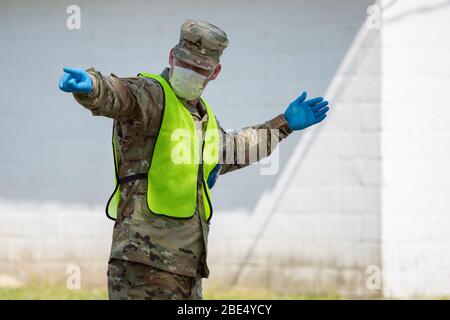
(43, 240)
(415, 148)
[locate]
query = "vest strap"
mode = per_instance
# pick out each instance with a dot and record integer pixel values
(137, 176)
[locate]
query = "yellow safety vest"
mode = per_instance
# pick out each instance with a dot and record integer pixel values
(172, 175)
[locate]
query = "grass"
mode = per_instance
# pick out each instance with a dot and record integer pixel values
(240, 294)
(47, 292)
(54, 292)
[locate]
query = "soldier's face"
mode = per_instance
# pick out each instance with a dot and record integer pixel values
(210, 75)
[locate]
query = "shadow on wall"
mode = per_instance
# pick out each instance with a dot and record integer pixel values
(421, 10)
(59, 152)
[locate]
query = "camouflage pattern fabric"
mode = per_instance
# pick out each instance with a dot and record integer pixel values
(201, 44)
(128, 280)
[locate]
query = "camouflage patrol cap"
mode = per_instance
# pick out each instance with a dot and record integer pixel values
(201, 44)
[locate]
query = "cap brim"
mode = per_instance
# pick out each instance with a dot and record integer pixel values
(195, 59)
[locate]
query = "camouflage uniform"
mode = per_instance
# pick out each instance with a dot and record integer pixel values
(148, 249)
(130, 280)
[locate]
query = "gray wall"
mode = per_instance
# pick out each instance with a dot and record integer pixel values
(54, 150)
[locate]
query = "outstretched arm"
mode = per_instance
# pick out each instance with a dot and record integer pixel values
(248, 145)
(107, 96)
(243, 147)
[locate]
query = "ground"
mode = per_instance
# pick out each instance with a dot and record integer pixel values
(54, 292)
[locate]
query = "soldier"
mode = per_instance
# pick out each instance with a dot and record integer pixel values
(162, 207)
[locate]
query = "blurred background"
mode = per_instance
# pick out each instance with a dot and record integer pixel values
(359, 206)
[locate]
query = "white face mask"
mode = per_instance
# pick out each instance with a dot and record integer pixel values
(186, 83)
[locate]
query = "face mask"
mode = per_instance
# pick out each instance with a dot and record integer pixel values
(186, 83)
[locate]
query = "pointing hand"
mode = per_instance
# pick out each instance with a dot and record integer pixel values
(75, 80)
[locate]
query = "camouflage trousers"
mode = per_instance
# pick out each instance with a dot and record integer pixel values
(128, 280)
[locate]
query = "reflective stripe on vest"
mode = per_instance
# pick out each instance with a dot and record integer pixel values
(173, 172)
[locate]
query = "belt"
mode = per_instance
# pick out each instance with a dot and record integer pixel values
(133, 177)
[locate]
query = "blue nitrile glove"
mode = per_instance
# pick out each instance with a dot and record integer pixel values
(301, 114)
(75, 80)
(214, 174)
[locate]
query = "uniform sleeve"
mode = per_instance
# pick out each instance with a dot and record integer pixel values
(113, 97)
(248, 145)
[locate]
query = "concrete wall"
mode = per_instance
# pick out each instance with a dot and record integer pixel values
(416, 148)
(274, 53)
(43, 241)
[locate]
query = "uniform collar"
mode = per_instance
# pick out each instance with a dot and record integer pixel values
(165, 75)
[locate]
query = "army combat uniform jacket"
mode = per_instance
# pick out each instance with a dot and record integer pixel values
(136, 105)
